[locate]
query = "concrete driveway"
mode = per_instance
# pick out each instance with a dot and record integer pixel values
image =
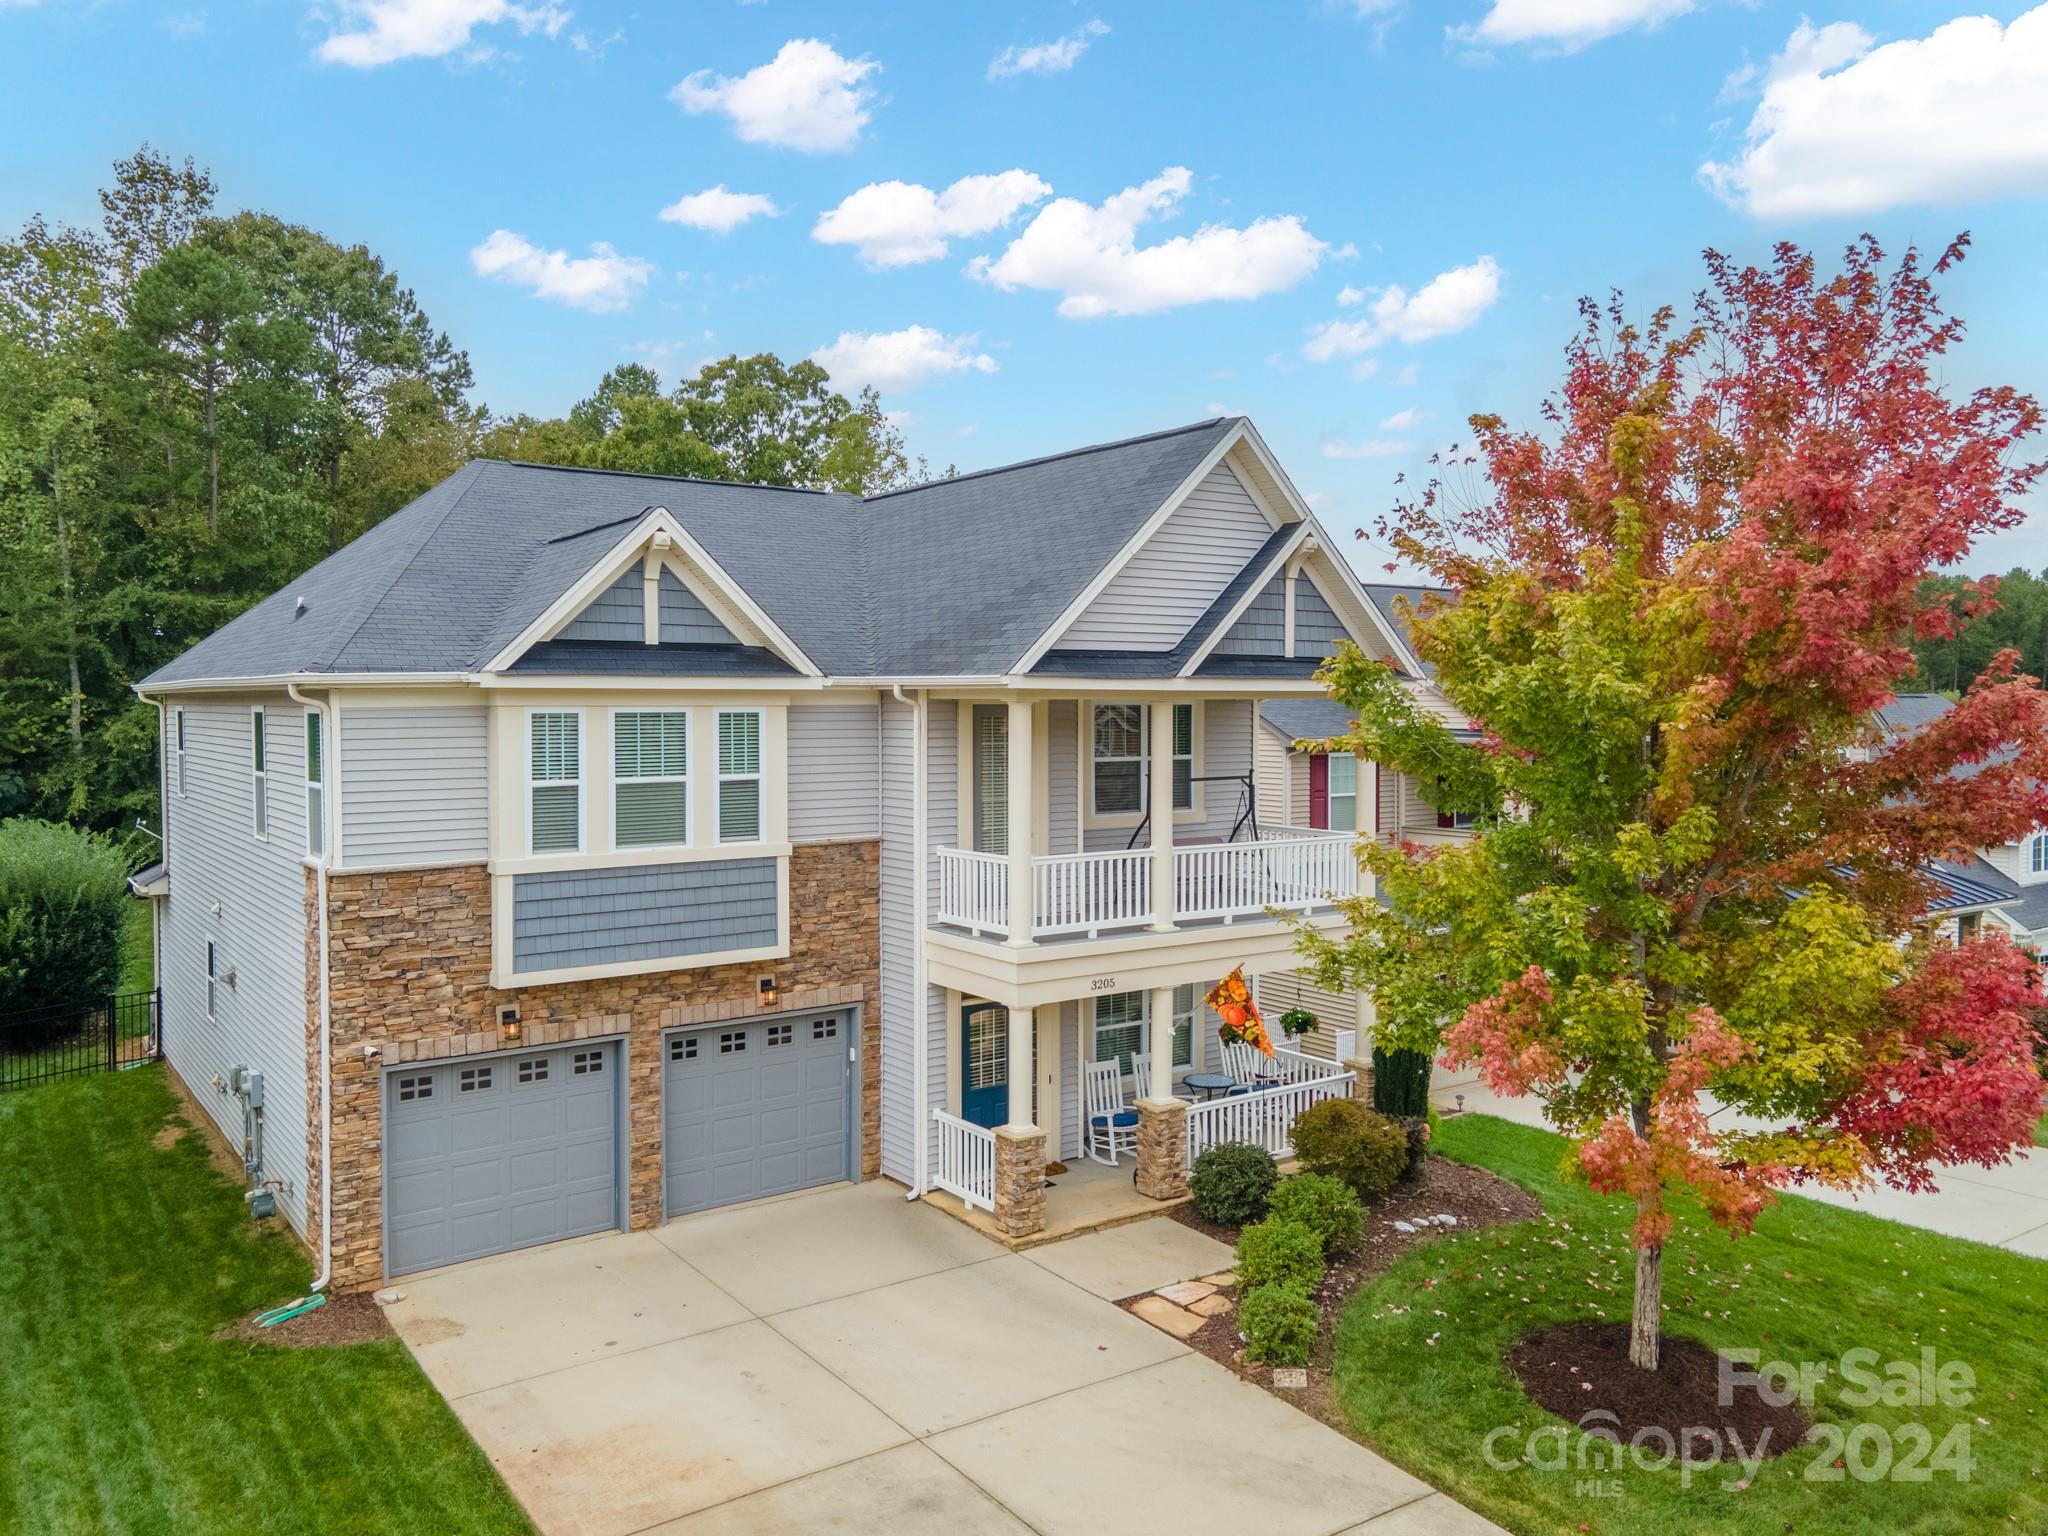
(2005, 1206)
(846, 1360)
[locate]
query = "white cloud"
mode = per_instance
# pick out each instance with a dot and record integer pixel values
(1334, 447)
(384, 31)
(1349, 295)
(899, 223)
(1406, 421)
(1408, 377)
(1449, 302)
(1053, 58)
(899, 359)
(1564, 25)
(602, 282)
(807, 97)
(718, 210)
(1848, 128)
(1090, 255)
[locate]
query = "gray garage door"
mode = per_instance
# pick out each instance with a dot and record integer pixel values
(756, 1109)
(482, 1156)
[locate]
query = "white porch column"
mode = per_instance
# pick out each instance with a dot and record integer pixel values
(1023, 828)
(1160, 805)
(1161, 1086)
(1023, 1026)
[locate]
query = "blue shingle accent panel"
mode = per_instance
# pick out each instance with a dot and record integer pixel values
(617, 614)
(1261, 630)
(684, 618)
(644, 912)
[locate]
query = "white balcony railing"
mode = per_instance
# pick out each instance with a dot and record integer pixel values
(1265, 1116)
(967, 1160)
(1091, 893)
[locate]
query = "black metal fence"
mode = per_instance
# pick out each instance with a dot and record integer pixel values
(101, 1035)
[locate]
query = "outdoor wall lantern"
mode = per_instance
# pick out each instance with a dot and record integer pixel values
(768, 992)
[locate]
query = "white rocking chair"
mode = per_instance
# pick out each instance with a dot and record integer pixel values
(1110, 1126)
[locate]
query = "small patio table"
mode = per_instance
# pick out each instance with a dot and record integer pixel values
(1211, 1083)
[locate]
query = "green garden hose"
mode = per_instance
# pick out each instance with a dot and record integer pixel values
(290, 1310)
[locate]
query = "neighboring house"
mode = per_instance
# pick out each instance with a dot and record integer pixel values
(576, 849)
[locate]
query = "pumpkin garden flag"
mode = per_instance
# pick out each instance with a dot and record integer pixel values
(1232, 1000)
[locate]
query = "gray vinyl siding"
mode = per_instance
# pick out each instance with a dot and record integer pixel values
(1062, 776)
(1226, 749)
(1261, 630)
(260, 932)
(942, 829)
(645, 912)
(899, 931)
(684, 618)
(1334, 1011)
(1390, 803)
(1317, 629)
(1070, 1080)
(834, 762)
(1274, 772)
(414, 785)
(1171, 581)
(617, 614)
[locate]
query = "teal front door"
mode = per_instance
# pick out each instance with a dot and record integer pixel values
(985, 1063)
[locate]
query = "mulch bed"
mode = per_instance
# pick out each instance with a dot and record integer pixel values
(354, 1319)
(1581, 1370)
(1477, 1198)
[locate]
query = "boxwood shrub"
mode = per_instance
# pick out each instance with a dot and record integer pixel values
(1324, 1205)
(1279, 1253)
(1230, 1183)
(1279, 1325)
(1344, 1139)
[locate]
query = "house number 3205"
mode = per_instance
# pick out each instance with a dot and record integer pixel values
(1102, 984)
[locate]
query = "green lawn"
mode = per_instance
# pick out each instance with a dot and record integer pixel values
(2041, 1132)
(1419, 1357)
(119, 1410)
(138, 950)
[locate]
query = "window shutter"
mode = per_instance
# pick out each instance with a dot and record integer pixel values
(739, 769)
(992, 778)
(1318, 790)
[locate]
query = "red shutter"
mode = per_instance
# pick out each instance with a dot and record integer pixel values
(1318, 790)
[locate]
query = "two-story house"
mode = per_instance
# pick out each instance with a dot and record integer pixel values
(578, 849)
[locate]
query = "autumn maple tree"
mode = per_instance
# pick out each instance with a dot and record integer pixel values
(1703, 874)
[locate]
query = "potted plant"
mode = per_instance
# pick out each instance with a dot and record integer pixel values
(1296, 1022)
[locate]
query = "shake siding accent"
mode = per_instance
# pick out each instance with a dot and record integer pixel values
(617, 614)
(1261, 630)
(684, 618)
(260, 1021)
(1063, 768)
(899, 920)
(942, 824)
(1317, 629)
(833, 765)
(1275, 775)
(650, 912)
(414, 785)
(1171, 581)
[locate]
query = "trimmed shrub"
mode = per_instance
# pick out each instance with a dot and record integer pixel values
(1230, 1183)
(1400, 1081)
(1324, 1205)
(63, 894)
(1279, 1253)
(1279, 1325)
(1344, 1139)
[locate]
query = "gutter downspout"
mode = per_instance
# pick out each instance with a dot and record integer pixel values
(326, 1029)
(920, 1041)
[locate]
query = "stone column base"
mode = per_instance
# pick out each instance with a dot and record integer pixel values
(1162, 1148)
(1020, 1180)
(1361, 1085)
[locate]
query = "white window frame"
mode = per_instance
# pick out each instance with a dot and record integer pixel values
(689, 759)
(212, 981)
(316, 785)
(1181, 1016)
(178, 735)
(1192, 811)
(2037, 854)
(581, 781)
(758, 778)
(259, 773)
(1331, 797)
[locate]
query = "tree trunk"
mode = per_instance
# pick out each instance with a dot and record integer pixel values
(1646, 1326)
(212, 470)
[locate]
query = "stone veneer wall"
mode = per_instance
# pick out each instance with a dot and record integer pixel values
(410, 973)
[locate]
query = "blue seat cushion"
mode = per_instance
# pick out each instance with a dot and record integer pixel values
(1121, 1117)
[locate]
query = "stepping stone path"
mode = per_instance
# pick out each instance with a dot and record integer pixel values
(1184, 1306)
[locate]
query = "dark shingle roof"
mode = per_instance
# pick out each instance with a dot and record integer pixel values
(1907, 712)
(1969, 887)
(1384, 595)
(956, 577)
(610, 658)
(1307, 719)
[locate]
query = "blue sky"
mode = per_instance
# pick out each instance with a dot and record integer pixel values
(1358, 222)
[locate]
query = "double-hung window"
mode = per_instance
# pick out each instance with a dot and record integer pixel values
(259, 774)
(1122, 746)
(1343, 815)
(316, 788)
(178, 725)
(555, 785)
(2037, 854)
(650, 778)
(212, 978)
(1123, 1027)
(739, 775)
(1459, 821)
